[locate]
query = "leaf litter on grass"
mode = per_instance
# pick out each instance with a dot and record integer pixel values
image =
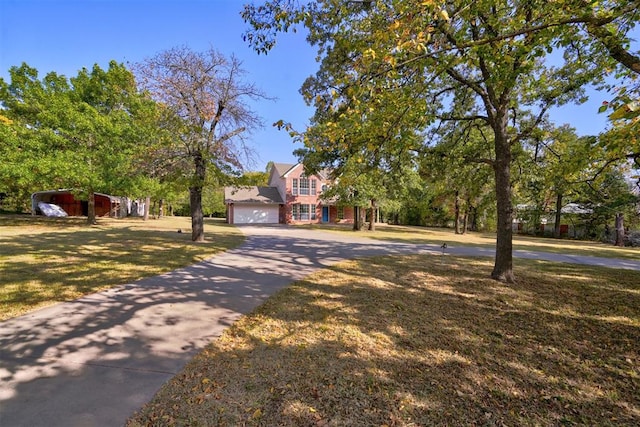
(406, 341)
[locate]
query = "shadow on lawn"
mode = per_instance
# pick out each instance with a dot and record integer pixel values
(409, 341)
(132, 338)
(43, 267)
(375, 342)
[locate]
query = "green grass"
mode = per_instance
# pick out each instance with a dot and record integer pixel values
(47, 260)
(408, 341)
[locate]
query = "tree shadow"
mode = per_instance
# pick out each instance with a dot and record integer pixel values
(74, 357)
(410, 341)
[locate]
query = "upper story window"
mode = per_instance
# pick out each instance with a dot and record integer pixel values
(304, 186)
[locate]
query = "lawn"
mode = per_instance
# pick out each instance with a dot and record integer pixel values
(411, 341)
(429, 235)
(47, 260)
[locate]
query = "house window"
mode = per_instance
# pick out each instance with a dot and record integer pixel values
(304, 212)
(340, 212)
(313, 187)
(304, 186)
(294, 187)
(324, 187)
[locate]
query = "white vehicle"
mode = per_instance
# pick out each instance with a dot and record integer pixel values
(50, 209)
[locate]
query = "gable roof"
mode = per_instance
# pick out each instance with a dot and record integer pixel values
(282, 168)
(268, 195)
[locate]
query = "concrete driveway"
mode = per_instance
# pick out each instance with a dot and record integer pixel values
(96, 360)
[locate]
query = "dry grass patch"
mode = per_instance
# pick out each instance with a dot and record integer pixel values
(406, 341)
(48, 260)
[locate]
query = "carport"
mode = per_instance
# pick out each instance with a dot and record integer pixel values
(105, 205)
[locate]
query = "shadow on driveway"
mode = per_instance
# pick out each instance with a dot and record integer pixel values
(95, 360)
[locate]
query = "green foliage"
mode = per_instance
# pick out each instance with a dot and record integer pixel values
(260, 179)
(390, 70)
(608, 194)
(76, 133)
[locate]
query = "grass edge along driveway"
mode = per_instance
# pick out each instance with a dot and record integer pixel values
(47, 260)
(431, 235)
(406, 340)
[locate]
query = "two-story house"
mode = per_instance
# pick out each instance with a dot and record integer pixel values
(290, 198)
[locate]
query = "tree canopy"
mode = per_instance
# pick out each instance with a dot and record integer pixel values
(75, 133)
(500, 65)
(207, 99)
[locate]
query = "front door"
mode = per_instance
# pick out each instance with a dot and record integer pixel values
(325, 214)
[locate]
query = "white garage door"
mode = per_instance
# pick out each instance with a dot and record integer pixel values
(255, 214)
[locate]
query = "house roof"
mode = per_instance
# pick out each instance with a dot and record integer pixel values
(267, 195)
(284, 168)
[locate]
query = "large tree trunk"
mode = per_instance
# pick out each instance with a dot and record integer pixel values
(465, 220)
(503, 266)
(197, 218)
(372, 216)
(556, 228)
(91, 208)
(147, 208)
(195, 199)
(619, 229)
(473, 212)
(457, 212)
(356, 218)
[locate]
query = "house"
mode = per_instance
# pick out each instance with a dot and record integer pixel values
(105, 205)
(296, 197)
(253, 205)
(572, 224)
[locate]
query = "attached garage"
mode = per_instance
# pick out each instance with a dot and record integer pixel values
(253, 205)
(255, 214)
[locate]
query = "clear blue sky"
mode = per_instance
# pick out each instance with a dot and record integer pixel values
(66, 35)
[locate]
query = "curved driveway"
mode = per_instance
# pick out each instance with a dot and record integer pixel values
(96, 360)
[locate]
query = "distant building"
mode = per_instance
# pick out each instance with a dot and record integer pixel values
(290, 198)
(48, 202)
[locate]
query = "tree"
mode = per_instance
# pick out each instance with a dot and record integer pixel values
(560, 162)
(457, 168)
(112, 132)
(205, 91)
(77, 132)
(609, 195)
(488, 54)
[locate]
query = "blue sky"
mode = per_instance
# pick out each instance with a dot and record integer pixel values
(66, 35)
